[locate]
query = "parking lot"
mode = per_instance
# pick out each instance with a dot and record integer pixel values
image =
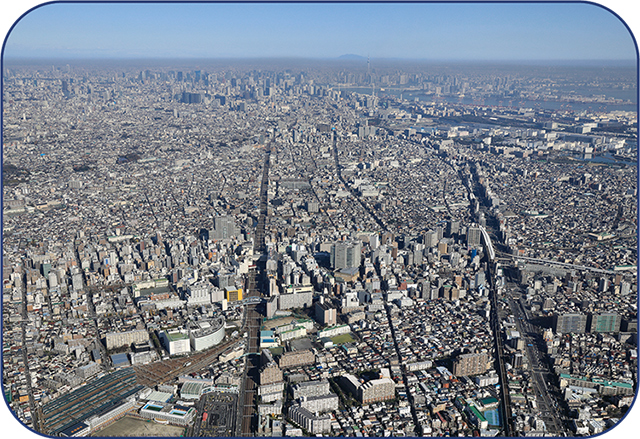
(216, 415)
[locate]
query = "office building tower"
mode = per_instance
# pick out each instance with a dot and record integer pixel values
(605, 322)
(430, 239)
(571, 323)
(453, 228)
(473, 236)
(224, 227)
(346, 255)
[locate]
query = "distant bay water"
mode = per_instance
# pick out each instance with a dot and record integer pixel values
(625, 95)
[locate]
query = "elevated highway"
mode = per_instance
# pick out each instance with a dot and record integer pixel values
(563, 264)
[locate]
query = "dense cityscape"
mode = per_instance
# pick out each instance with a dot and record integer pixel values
(353, 247)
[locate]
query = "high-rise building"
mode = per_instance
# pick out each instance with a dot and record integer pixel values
(320, 403)
(296, 358)
(176, 342)
(517, 359)
(312, 206)
(381, 389)
(206, 333)
(470, 364)
(473, 236)
(453, 228)
(118, 339)
(311, 388)
(224, 227)
(571, 323)
(77, 281)
(346, 254)
(65, 89)
(271, 306)
(605, 322)
(270, 373)
(191, 98)
(325, 314)
(314, 424)
(233, 294)
(198, 294)
(603, 284)
(625, 288)
(430, 239)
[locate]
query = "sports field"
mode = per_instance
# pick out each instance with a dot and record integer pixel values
(130, 427)
(274, 323)
(342, 338)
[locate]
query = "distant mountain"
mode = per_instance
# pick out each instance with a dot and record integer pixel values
(351, 56)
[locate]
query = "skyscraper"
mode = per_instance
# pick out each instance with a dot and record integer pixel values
(453, 228)
(473, 236)
(574, 322)
(346, 254)
(605, 322)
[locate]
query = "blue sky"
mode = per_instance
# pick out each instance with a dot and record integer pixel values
(426, 31)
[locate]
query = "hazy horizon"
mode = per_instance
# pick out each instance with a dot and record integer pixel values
(587, 62)
(406, 31)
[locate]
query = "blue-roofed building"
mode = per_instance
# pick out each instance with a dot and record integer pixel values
(120, 360)
(266, 334)
(267, 339)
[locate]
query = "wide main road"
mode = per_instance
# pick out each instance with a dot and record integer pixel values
(253, 319)
(258, 243)
(547, 407)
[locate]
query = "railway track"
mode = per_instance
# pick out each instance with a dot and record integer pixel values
(247, 399)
